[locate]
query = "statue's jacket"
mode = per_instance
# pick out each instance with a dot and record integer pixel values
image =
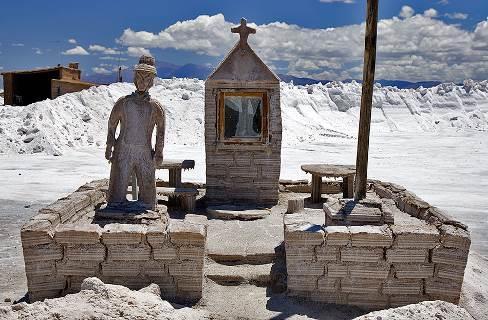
(138, 115)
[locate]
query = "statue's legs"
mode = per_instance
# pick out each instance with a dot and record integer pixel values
(119, 177)
(146, 180)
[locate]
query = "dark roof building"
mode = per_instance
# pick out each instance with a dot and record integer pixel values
(25, 87)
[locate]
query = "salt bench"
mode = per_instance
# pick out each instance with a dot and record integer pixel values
(330, 170)
(174, 167)
(187, 196)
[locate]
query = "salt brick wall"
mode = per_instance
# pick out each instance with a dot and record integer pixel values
(59, 254)
(378, 266)
(67, 87)
(242, 173)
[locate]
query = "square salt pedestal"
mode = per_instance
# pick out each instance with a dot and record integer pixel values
(133, 212)
(347, 212)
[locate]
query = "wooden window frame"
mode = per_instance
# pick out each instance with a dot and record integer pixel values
(263, 139)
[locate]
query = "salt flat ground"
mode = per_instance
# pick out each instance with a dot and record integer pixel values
(447, 170)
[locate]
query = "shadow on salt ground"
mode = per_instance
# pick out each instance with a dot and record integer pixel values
(13, 214)
(289, 307)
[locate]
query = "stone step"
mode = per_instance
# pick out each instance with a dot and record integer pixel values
(231, 212)
(171, 191)
(231, 275)
(241, 259)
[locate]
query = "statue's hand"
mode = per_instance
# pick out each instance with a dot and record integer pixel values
(108, 153)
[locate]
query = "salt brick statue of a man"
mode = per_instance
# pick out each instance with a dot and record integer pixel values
(137, 115)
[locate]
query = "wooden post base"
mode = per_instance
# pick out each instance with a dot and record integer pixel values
(175, 177)
(348, 187)
(295, 205)
(316, 188)
(188, 203)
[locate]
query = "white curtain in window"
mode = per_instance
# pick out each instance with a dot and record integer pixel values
(246, 118)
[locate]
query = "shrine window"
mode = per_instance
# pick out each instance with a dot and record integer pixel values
(243, 117)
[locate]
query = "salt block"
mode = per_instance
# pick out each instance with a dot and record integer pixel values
(162, 252)
(450, 256)
(85, 252)
(77, 268)
(371, 236)
(454, 237)
(327, 284)
(413, 271)
(361, 255)
(116, 233)
(416, 236)
(129, 252)
(337, 235)
(357, 285)
(306, 268)
(325, 253)
(403, 287)
(36, 232)
(406, 255)
(337, 270)
(181, 232)
(369, 270)
(43, 252)
(118, 269)
(304, 234)
(157, 234)
(78, 233)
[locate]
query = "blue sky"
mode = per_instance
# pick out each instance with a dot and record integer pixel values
(419, 40)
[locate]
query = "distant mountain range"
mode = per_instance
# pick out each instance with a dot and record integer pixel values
(190, 70)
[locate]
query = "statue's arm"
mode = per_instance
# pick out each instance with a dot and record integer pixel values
(160, 121)
(113, 121)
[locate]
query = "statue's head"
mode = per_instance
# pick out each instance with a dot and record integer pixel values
(144, 73)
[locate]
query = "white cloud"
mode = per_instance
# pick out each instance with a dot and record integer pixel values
(17, 44)
(102, 49)
(457, 16)
(113, 58)
(37, 50)
(1, 68)
(96, 47)
(441, 51)
(78, 50)
(101, 70)
(480, 39)
(431, 13)
(332, 1)
(443, 2)
(108, 68)
(72, 41)
(138, 51)
(406, 12)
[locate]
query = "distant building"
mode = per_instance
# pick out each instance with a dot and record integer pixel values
(25, 87)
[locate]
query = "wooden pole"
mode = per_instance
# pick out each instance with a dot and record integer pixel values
(134, 186)
(366, 99)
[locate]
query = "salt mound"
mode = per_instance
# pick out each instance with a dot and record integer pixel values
(97, 300)
(427, 310)
(311, 114)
